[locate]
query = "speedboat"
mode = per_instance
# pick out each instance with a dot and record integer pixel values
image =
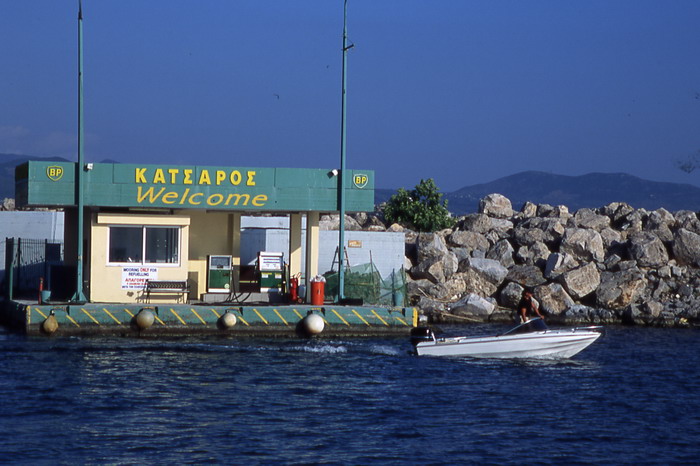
(531, 339)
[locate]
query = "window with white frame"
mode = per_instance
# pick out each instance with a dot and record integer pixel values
(144, 245)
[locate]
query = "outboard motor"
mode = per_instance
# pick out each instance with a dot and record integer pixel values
(419, 334)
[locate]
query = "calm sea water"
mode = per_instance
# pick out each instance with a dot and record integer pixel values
(632, 397)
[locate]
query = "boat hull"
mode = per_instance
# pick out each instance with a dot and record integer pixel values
(549, 344)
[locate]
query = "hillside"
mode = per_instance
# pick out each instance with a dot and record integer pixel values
(591, 190)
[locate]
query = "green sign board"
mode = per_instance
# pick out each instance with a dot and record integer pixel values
(193, 187)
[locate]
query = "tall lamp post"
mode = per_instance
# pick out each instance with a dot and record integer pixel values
(341, 181)
(79, 296)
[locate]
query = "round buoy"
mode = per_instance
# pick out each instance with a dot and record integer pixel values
(313, 324)
(50, 325)
(227, 320)
(145, 319)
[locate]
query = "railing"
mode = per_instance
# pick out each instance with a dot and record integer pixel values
(27, 261)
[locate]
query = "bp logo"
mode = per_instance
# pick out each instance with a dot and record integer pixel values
(54, 173)
(360, 180)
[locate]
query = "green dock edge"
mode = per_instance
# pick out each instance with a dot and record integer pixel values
(93, 319)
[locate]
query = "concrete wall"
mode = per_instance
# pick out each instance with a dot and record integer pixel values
(33, 225)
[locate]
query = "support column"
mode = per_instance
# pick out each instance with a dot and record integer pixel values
(294, 244)
(312, 246)
(235, 247)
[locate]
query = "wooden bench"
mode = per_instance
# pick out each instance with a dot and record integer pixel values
(178, 287)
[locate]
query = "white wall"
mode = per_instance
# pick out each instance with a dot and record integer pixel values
(387, 249)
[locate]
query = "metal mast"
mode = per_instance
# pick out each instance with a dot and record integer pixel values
(79, 296)
(341, 196)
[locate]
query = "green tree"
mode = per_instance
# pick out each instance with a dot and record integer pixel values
(421, 209)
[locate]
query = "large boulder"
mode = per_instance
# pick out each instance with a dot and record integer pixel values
(473, 305)
(558, 263)
(617, 211)
(469, 240)
(553, 298)
(546, 230)
(429, 246)
(490, 269)
(431, 269)
(510, 295)
(587, 218)
(496, 205)
(527, 276)
(618, 290)
(478, 223)
(502, 251)
(582, 243)
(686, 247)
(647, 250)
(535, 254)
(582, 281)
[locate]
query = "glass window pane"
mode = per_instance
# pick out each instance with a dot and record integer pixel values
(162, 245)
(125, 244)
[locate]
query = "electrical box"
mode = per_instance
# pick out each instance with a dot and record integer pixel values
(219, 274)
(271, 267)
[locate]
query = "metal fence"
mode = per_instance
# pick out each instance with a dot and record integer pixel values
(27, 261)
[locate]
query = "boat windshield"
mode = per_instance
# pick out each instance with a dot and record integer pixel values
(532, 325)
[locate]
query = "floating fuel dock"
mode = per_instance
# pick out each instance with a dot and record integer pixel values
(91, 319)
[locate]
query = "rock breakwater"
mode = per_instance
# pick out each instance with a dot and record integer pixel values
(613, 264)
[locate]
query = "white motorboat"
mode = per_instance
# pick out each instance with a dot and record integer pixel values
(532, 339)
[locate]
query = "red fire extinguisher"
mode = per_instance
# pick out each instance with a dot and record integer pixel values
(294, 289)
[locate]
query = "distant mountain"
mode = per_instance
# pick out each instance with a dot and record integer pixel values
(592, 190)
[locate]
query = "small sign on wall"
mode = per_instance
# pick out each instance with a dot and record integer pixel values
(354, 243)
(134, 278)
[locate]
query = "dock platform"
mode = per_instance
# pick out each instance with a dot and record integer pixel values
(92, 319)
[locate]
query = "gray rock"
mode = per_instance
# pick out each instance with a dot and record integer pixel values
(526, 275)
(544, 210)
(496, 205)
(477, 283)
(582, 281)
(528, 210)
(647, 250)
(473, 305)
(430, 245)
(553, 298)
(478, 223)
(510, 295)
(687, 219)
(429, 269)
(332, 222)
(536, 254)
(587, 218)
(558, 263)
(490, 269)
(469, 240)
(583, 244)
(610, 237)
(502, 251)
(617, 210)
(686, 247)
(618, 290)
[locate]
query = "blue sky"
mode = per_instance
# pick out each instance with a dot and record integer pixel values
(461, 91)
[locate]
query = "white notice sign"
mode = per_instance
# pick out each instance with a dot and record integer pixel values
(134, 278)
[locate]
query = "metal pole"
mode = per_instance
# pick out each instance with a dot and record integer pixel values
(341, 196)
(79, 296)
